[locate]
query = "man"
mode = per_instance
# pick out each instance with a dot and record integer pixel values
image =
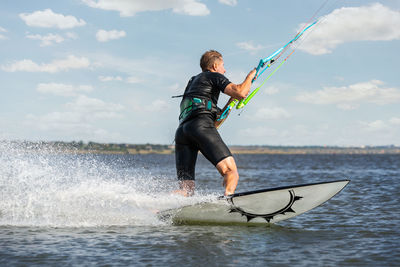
(198, 121)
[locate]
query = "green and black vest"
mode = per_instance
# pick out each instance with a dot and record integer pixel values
(201, 95)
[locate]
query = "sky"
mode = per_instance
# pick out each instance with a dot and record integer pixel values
(105, 70)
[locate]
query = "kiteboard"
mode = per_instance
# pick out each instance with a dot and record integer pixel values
(256, 207)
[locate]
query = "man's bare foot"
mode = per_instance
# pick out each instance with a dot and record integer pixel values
(181, 192)
(186, 188)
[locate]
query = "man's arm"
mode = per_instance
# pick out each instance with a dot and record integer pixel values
(218, 123)
(236, 91)
(240, 91)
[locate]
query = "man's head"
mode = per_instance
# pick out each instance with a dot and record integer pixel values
(212, 61)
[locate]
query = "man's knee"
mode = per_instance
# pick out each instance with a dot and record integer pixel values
(227, 168)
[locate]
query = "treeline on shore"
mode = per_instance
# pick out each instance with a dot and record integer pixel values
(114, 148)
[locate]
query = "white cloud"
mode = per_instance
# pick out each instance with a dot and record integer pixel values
(61, 121)
(71, 35)
(70, 125)
(48, 19)
(62, 89)
(110, 78)
(374, 126)
(48, 39)
(235, 76)
(105, 36)
(271, 90)
(130, 8)
(249, 46)
(377, 132)
(174, 88)
(137, 70)
(2, 37)
(158, 105)
(374, 22)
(80, 119)
(348, 96)
(228, 2)
(347, 106)
(133, 79)
(260, 131)
(395, 121)
(71, 62)
(130, 79)
(95, 108)
(275, 113)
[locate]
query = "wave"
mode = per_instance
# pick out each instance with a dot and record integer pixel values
(45, 187)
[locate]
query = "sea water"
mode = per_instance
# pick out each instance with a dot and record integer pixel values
(66, 208)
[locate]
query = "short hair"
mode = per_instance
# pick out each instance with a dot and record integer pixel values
(208, 59)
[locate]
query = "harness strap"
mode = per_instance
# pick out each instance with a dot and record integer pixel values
(191, 104)
(176, 96)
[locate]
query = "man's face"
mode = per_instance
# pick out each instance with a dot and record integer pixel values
(219, 66)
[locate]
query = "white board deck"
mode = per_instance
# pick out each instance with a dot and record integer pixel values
(255, 207)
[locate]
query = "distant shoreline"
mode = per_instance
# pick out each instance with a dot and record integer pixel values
(112, 148)
(315, 150)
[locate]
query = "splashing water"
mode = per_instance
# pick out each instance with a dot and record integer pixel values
(42, 186)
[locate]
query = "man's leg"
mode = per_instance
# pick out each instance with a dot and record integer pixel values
(185, 160)
(186, 188)
(227, 168)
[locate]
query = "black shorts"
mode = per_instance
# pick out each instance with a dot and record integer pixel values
(197, 134)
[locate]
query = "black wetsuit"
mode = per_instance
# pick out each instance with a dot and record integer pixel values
(198, 132)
